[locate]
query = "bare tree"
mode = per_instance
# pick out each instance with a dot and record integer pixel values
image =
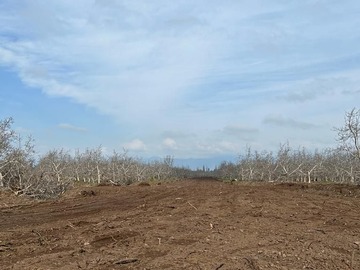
(289, 162)
(54, 164)
(227, 171)
(16, 159)
(122, 168)
(91, 165)
(349, 134)
(162, 170)
(19, 168)
(312, 165)
(7, 138)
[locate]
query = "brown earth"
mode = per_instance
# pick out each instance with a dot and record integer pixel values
(190, 224)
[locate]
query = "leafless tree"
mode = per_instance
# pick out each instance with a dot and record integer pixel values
(161, 170)
(227, 171)
(55, 164)
(19, 168)
(289, 162)
(349, 134)
(122, 168)
(16, 159)
(7, 138)
(88, 166)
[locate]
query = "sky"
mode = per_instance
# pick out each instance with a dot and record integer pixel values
(191, 79)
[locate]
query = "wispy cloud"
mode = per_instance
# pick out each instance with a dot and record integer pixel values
(351, 92)
(72, 127)
(288, 123)
(305, 95)
(237, 134)
(310, 90)
(235, 130)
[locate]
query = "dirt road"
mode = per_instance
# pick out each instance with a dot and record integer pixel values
(192, 224)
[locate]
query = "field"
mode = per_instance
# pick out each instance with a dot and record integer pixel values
(189, 224)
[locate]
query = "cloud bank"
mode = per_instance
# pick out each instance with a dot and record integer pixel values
(199, 67)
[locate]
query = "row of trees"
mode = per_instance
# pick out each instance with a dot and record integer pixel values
(287, 164)
(51, 174)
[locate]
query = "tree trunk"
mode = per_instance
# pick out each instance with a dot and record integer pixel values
(98, 174)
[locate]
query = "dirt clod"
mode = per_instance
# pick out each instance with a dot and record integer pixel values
(126, 261)
(87, 193)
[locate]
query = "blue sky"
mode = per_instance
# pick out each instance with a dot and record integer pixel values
(192, 79)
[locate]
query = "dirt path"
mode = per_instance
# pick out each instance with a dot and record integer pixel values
(185, 225)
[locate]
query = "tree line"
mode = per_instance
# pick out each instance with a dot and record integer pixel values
(52, 173)
(341, 164)
(289, 164)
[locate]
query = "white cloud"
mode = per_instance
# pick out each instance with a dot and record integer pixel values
(170, 144)
(135, 145)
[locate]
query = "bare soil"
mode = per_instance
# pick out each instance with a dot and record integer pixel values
(189, 224)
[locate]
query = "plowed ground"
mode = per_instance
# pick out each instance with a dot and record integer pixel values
(190, 224)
